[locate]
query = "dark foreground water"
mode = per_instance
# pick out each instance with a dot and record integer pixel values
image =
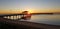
(46, 19)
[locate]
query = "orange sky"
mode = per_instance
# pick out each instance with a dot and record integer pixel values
(33, 6)
(30, 10)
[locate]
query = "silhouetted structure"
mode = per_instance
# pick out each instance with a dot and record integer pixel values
(26, 15)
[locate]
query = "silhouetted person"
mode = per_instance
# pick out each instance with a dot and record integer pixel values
(26, 15)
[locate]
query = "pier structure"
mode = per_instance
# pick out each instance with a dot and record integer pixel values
(16, 24)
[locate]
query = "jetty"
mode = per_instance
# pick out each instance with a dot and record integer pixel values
(16, 24)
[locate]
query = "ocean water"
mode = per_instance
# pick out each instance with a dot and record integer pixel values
(46, 19)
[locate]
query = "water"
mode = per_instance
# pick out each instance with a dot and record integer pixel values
(46, 19)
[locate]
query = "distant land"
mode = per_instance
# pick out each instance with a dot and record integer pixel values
(31, 13)
(41, 13)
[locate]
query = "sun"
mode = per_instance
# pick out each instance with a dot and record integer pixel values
(30, 11)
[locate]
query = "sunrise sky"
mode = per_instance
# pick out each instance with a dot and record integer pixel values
(33, 6)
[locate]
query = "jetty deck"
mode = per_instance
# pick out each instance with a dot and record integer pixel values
(15, 24)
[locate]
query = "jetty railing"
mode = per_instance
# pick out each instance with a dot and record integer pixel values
(17, 16)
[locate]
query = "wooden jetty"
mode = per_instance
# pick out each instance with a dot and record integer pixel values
(14, 24)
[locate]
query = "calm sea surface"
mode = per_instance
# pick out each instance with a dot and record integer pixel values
(46, 19)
